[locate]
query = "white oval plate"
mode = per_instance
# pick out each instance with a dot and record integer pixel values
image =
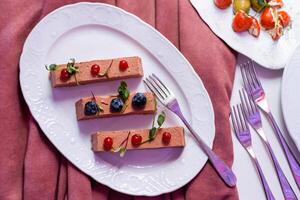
(86, 31)
(263, 50)
(290, 97)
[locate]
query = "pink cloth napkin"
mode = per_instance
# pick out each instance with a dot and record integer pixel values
(31, 168)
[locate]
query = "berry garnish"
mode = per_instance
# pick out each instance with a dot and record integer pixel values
(95, 69)
(91, 108)
(136, 140)
(64, 75)
(116, 105)
(166, 137)
(107, 143)
(139, 100)
(123, 65)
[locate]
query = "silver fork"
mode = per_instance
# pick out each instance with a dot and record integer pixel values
(242, 133)
(167, 98)
(255, 90)
(253, 117)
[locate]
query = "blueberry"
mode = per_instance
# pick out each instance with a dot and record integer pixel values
(91, 108)
(116, 105)
(139, 100)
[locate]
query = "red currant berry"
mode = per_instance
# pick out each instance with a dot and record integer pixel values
(95, 69)
(166, 137)
(136, 140)
(108, 143)
(123, 65)
(64, 75)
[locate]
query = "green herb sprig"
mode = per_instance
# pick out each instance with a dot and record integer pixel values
(100, 108)
(123, 146)
(153, 131)
(107, 70)
(123, 91)
(71, 68)
(51, 67)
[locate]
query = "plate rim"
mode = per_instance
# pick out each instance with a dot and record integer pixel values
(191, 69)
(283, 99)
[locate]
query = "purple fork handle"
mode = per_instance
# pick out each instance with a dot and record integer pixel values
(267, 189)
(286, 187)
(294, 165)
(220, 166)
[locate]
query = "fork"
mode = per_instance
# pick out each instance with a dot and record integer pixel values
(242, 133)
(255, 90)
(167, 98)
(252, 115)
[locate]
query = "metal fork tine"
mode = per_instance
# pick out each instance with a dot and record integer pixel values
(233, 120)
(244, 77)
(239, 109)
(161, 83)
(249, 101)
(252, 76)
(245, 104)
(153, 89)
(243, 74)
(253, 104)
(249, 75)
(254, 73)
(244, 118)
(158, 86)
(239, 128)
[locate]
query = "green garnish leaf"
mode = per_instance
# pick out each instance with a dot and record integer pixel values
(51, 67)
(123, 91)
(71, 68)
(161, 119)
(122, 151)
(123, 146)
(262, 2)
(152, 133)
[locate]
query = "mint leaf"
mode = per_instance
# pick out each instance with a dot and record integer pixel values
(152, 133)
(161, 119)
(123, 91)
(71, 68)
(51, 67)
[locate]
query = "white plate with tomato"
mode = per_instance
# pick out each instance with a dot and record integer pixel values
(267, 32)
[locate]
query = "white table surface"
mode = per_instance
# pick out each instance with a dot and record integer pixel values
(249, 185)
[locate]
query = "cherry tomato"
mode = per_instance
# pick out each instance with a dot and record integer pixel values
(123, 65)
(95, 69)
(255, 27)
(64, 75)
(136, 140)
(275, 3)
(267, 18)
(166, 138)
(284, 18)
(222, 4)
(107, 143)
(241, 21)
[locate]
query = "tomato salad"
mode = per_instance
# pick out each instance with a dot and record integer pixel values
(272, 19)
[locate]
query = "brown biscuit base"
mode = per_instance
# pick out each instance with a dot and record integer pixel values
(84, 75)
(177, 138)
(104, 101)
